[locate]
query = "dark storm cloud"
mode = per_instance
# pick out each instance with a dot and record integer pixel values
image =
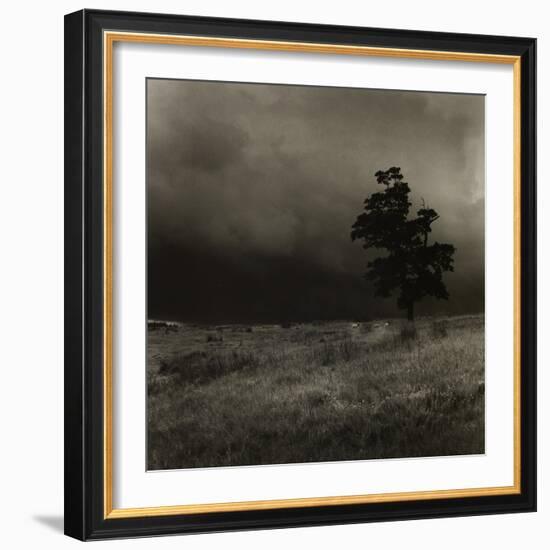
(252, 190)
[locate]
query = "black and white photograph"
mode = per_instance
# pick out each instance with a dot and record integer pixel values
(270, 275)
(315, 274)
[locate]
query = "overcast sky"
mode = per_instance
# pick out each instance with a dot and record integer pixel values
(252, 190)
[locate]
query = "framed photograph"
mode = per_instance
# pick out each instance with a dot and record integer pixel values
(300, 274)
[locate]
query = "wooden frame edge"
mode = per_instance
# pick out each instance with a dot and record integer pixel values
(109, 38)
(306, 502)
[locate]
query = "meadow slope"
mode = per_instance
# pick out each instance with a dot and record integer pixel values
(266, 394)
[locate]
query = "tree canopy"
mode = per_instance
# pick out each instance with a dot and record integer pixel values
(412, 267)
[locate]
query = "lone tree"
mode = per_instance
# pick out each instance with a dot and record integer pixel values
(412, 266)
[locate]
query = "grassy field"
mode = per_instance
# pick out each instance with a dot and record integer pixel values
(266, 394)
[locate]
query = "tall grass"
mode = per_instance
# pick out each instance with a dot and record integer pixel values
(329, 353)
(200, 367)
(317, 393)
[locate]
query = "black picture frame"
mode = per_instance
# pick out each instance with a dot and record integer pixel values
(84, 276)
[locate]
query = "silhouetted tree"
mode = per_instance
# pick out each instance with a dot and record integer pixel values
(412, 266)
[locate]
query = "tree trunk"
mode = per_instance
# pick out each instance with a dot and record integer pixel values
(410, 311)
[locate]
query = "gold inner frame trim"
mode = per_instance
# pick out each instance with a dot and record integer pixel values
(109, 39)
